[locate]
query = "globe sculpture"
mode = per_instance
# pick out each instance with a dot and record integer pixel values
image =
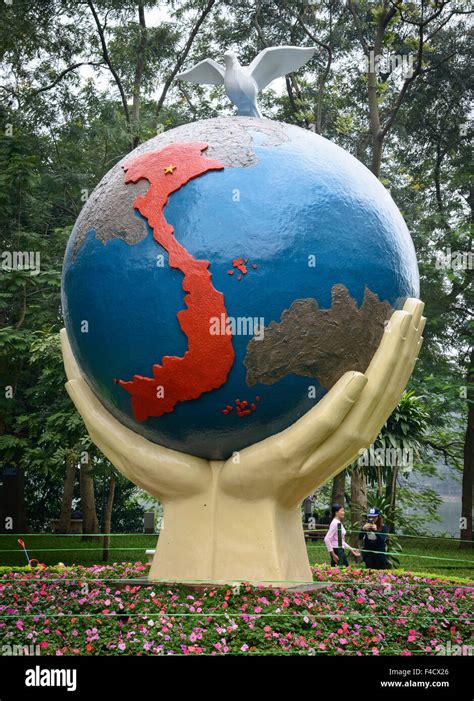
(241, 318)
(225, 275)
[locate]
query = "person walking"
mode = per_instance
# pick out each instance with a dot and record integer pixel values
(373, 539)
(335, 539)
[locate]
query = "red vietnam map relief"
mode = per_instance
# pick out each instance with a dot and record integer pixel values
(208, 360)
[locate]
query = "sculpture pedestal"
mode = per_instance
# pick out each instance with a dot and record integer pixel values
(218, 538)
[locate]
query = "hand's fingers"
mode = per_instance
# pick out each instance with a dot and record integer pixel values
(415, 307)
(75, 388)
(70, 365)
(281, 455)
(422, 325)
(414, 347)
(387, 376)
(407, 365)
(403, 351)
(386, 358)
(392, 363)
(158, 470)
(305, 435)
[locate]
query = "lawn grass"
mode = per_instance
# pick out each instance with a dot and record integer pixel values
(72, 550)
(417, 555)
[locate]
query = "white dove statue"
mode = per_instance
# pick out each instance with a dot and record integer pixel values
(242, 84)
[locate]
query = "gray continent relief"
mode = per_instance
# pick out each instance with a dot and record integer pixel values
(321, 343)
(109, 209)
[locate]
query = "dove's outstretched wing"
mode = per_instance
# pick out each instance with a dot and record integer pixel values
(204, 72)
(277, 61)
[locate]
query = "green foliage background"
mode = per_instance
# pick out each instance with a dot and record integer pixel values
(69, 110)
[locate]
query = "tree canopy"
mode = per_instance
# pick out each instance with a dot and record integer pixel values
(82, 83)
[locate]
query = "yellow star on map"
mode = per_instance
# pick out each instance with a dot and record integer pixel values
(169, 169)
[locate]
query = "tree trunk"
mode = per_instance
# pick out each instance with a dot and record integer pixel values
(373, 100)
(108, 518)
(391, 497)
(68, 493)
(90, 522)
(137, 80)
(467, 475)
(358, 501)
(12, 501)
(379, 482)
(377, 149)
(338, 484)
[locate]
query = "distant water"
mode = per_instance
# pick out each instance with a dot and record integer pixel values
(447, 484)
(450, 513)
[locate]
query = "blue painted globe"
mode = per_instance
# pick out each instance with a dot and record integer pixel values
(306, 253)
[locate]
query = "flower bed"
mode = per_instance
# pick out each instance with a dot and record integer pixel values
(80, 611)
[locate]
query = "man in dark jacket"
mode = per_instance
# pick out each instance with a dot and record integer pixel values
(374, 536)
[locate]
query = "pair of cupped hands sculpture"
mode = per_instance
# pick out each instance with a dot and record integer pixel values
(239, 519)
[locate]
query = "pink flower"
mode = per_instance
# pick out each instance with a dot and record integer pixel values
(244, 647)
